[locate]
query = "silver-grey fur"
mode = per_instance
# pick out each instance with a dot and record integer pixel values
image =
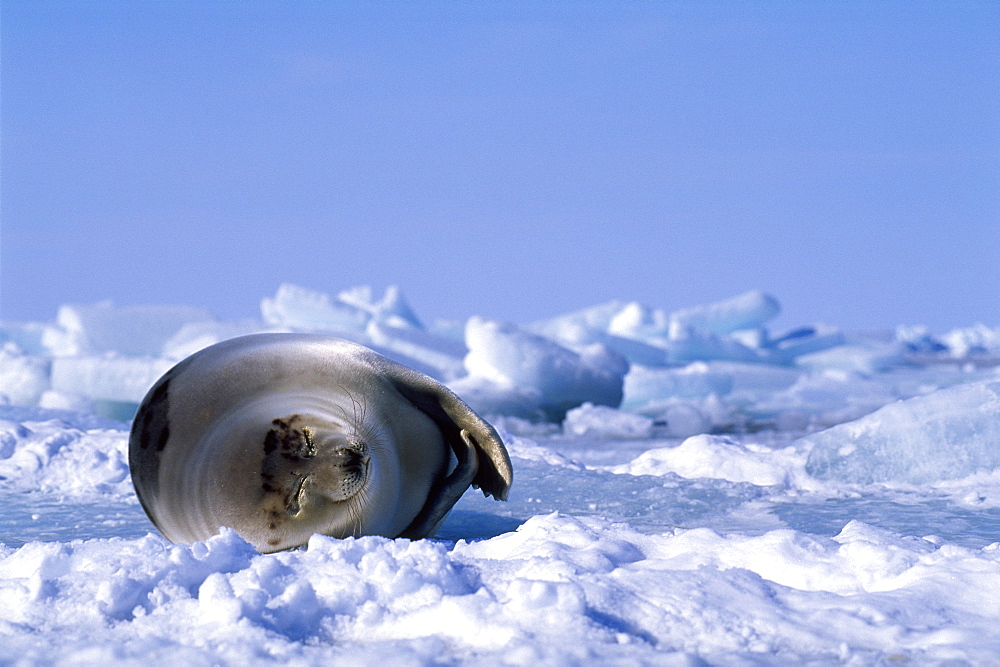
(280, 436)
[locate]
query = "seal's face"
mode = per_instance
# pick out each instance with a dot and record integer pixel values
(308, 468)
(307, 471)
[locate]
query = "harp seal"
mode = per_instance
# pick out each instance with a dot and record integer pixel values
(280, 436)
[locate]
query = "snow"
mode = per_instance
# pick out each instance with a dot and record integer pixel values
(606, 422)
(689, 488)
(718, 457)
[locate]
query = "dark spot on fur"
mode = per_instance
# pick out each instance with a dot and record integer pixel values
(270, 442)
(161, 442)
(267, 483)
(150, 435)
(151, 422)
(287, 443)
(274, 541)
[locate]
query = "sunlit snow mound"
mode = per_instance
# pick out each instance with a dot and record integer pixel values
(558, 590)
(58, 456)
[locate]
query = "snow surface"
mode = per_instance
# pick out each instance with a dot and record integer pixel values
(688, 488)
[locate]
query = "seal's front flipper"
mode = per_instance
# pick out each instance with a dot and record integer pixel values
(444, 495)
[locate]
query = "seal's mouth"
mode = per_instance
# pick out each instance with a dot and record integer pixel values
(298, 496)
(352, 493)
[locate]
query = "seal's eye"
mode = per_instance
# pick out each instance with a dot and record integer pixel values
(288, 440)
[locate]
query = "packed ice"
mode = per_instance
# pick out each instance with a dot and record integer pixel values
(689, 487)
(947, 434)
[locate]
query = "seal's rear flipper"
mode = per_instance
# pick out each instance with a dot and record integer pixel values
(460, 425)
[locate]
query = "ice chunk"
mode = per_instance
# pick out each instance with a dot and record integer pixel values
(750, 381)
(654, 337)
(451, 329)
(806, 340)
(752, 338)
(684, 419)
(918, 339)
(646, 386)
(586, 327)
(303, 309)
(444, 355)
(391, 309)
(634, 351)
(947, 434)
(58, 400)
(745, 311)
(971, 341)
(23, 378)
(496, 398)
(123, 379)
(576, 333)
(359, 296)
(637, 321)
(687, 344)
(199, 335)
(651, 390)
(861, 356)
(601, 421)
(680, 340)
(57, 341)
(509, 357)
(127, 330)
(580, 325)
(820, 399)
(25, 335)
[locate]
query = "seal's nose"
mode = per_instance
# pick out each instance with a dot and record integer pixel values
(349, 459)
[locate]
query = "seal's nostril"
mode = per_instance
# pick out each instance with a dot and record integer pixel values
(346, 456)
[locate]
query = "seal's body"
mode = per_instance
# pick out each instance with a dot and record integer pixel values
(280, 436)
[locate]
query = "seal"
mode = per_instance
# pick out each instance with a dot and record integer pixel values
(280, 436)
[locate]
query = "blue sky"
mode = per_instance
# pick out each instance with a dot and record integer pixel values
(513, 160)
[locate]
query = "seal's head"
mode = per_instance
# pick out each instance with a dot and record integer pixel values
(280, 436)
